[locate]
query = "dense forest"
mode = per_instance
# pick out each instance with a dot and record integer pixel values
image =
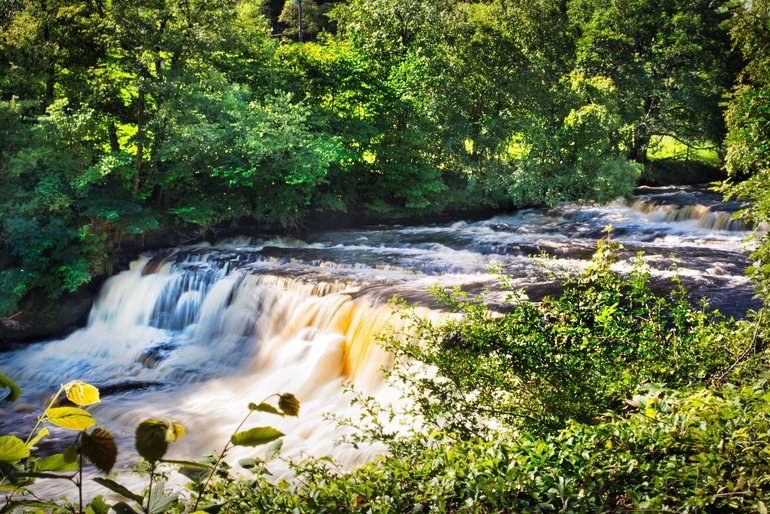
(125, 120)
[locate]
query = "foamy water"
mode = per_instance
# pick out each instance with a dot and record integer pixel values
(196, 333)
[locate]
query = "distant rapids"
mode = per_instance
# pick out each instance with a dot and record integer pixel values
(195, 333)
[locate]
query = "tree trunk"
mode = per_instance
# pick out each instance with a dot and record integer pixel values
(139, 139)
(113, 132)
(639, 145)
(50, 81)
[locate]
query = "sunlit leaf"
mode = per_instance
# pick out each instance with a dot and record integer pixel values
(81, 393)
(41, 434)
(99, 447)
(12, 449)
(98, 506)
(56, 463)
(70, 417)
(256, 436)
(175, 431)
(264, 407)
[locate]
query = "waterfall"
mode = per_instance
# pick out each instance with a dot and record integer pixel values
(195, 333)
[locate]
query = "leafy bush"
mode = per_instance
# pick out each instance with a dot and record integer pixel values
(699, 450)
(571, 357)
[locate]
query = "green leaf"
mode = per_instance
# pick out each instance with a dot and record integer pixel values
(70, 417)
(212, 509)
(123, 508)
(38, 504)
(197, 475)
(274, 449)
(256, 436)
(249, 463)
(10, 471)
(70, 453)
(14, 391)
(98, 506)
(41, 434)
(81, 393)
(159, 502)
(12, 449)
(151, 439)
(265, 407)
(56, 462)
(99, 447)
(117, 488)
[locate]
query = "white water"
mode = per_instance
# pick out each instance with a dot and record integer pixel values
(198, 334)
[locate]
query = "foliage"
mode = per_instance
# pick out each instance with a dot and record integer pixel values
(19, 467)
(748, 122)
(124, 118)
(568, 358)
(667, 59)
(698, 450)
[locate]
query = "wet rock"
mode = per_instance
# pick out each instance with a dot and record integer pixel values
(130, 385)
(42, 318)
(154, 355)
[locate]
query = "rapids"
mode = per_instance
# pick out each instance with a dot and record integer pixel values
(195, 333)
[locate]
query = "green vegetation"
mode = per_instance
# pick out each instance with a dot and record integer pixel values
(120, 118)
(609, 397)
(123, 119)
(20, 468)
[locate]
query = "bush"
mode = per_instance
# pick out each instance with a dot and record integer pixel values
(571, 357)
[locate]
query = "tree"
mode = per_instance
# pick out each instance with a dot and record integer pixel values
(669, 60)
(748, 136)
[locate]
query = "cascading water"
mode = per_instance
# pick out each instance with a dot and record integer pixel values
(196, 333)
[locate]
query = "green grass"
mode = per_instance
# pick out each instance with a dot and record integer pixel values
(666, 147)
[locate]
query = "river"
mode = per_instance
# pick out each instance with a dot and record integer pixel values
(195, 333)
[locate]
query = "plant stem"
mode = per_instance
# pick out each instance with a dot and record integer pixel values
(80, 479)
(149, 489)
(222, 455)
(41, 419)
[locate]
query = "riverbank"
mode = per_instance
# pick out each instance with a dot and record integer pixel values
(40, 317)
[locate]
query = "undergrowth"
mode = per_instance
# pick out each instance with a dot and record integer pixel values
(607, 398)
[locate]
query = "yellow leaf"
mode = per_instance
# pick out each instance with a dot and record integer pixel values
(81, 393)
(70, 417)
(38, 437)
(175, 431)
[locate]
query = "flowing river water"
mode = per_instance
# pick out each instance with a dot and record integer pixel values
(195, 333)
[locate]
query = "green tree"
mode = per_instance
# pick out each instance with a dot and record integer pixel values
(748, 137)
(669, 60)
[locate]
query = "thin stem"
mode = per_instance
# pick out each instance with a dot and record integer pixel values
(41, 419)
(222, 455)
(80, 479)
(149, 490)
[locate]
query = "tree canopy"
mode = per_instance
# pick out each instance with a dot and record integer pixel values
(121, 118)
